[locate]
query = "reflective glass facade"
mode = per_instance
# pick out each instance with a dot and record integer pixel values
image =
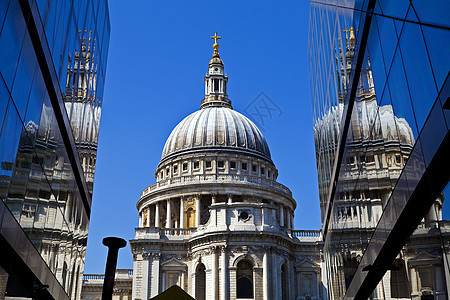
(52, 67)
(380, 92)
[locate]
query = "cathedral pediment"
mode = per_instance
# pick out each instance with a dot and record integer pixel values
(424, 258)
(174, 263)
(307, 265)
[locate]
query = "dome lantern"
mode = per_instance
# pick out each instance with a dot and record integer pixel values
(215, 81)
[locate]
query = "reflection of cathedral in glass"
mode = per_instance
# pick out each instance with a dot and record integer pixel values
(377, 147)
(83, 106)
(48, 144)
(216, 222)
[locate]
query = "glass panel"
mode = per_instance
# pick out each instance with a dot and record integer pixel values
(12, 35)
(399, 94)
(24, 76)
(433, 12)
(3, 9)
(418, 72)
(9, 141)
(438, 44)
(396, 9)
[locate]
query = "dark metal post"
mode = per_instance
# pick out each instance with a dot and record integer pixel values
(114, 244)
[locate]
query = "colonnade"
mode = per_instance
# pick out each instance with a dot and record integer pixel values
(186, 211)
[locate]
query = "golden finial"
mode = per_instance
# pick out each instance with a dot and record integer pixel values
(346, 36)
(352, 38)
(216, 46)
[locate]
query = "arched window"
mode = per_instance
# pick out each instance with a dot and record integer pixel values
(284, 282)
(200, 282)
(244, 278)
(399, 280)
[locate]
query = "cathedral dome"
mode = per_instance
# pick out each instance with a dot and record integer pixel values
(216, 129)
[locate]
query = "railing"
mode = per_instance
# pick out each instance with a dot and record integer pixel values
(176, 231)
(119, 274)
(305, 233)
(211, 178)
(93, 277)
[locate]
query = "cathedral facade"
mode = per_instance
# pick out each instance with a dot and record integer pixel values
(216, 222)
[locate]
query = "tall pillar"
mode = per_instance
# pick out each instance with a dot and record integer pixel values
(157, 214)
(275, 276)
(230, 198)
(168, 215)
(197, 211)
(146, 275)
(223, 274)
(181, 212)
(155, 275)
(213, 198)
(215, 273)
(281, 216)
(265, 277)
(148, 216)
(140, 219)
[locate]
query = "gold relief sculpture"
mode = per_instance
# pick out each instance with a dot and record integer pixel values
(145, 216)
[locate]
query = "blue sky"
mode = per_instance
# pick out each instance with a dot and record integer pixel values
(159, 53)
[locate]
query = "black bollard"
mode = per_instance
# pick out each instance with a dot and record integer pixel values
(114, 244)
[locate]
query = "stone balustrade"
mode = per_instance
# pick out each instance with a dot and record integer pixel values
(216, 178)
(305, 233)
(186, 232)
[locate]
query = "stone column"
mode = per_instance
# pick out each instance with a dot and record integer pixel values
(182, 212)
(157, 214)
(155, 275)
(148, 216)
(263, 216)
(265, 277)
(197, 211)
(215, 273)
(146, 272)
(230, 199)
(414, 289)
(135, 293)
(140, 219)
(275, 275)
(224, 274)
(282, 216)
(213, 198)
(168, 215)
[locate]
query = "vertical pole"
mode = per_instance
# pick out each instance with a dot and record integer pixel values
(113, 244)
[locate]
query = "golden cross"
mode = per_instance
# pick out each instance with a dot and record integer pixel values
(216, 37)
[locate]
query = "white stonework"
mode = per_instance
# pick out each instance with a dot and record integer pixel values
(216, 222)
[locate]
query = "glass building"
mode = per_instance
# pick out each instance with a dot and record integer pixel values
(380, 93)
(52, 67)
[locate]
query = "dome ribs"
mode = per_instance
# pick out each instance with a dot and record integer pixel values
(216, 128)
